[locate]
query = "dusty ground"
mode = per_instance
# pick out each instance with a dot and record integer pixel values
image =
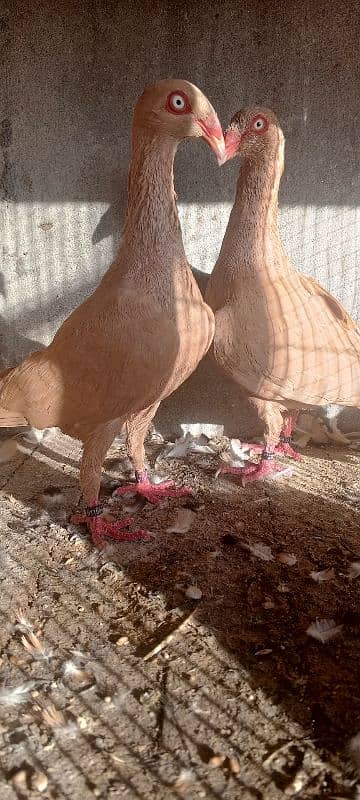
(241, 703)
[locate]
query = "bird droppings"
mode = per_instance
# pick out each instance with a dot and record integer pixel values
(180, 671)
(259, 550)
(354, 570)
(183, 521)
(193, 593)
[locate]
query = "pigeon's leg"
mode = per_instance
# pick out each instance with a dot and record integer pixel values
(95, 449)
(284, 448)
(267, 467)
(136, 427)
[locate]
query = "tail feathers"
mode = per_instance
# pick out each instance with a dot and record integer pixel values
(11, 419)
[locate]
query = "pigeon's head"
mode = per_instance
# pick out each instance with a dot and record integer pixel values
(250, 132)
(178, 110)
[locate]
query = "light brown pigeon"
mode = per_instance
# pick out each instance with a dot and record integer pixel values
(145, 328)
(283, 338)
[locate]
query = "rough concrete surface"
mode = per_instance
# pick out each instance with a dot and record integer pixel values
(70, 75)
(242, 703)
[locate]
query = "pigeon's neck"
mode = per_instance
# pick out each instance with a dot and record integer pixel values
(252, 241)
(152, 224)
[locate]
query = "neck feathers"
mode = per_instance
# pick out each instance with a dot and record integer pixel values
(252, 241)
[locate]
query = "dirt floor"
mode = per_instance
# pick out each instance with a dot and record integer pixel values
(241, 702)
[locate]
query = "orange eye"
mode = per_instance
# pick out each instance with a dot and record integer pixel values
(178, 103)
(259, 124)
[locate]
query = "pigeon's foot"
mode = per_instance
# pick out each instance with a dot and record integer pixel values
(102, 528)
(153, 492)
(284, 448)
(266, 469)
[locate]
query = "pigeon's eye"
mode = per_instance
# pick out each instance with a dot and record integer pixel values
(259, 124)
(178, 103)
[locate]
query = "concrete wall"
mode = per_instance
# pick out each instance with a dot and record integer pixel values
(70, 74)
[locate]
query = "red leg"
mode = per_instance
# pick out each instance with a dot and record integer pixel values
(284, 447)
(101, 529)
(266, 469)
(153, 492)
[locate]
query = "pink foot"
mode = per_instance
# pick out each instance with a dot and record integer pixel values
(153, 493)
(101, 529)
(264, 470)
(284, 448)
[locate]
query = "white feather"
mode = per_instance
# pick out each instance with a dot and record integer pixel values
(16, 695)
(324, 629)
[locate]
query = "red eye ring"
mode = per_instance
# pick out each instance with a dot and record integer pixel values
(263, 128)
(175, 107)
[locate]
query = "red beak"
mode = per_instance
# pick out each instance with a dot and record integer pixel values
(212, 133)
(232, 143)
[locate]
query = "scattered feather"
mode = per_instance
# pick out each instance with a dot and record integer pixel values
(8, 450)
(52, 716)
(335, 433)
(352, 496)
(238, 451)
(184, 782)
(157, 479)
(193, 593)
(72, 670)
(52, 496)
(183, 521)
(40, 521)
(155, 437)
(36, 649)
(16, 695)
(35, 436)
(23, 624)
(287, 558)
(323, 575)
(354, 748)
(354, 570)
(323, 630)
(189, 444)
(179, 448)
(264, 652)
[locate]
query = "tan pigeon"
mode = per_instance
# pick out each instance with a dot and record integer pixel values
(283, 338)
(145, 328)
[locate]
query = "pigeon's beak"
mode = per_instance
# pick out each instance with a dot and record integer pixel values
(232, 143)
(212, 133)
